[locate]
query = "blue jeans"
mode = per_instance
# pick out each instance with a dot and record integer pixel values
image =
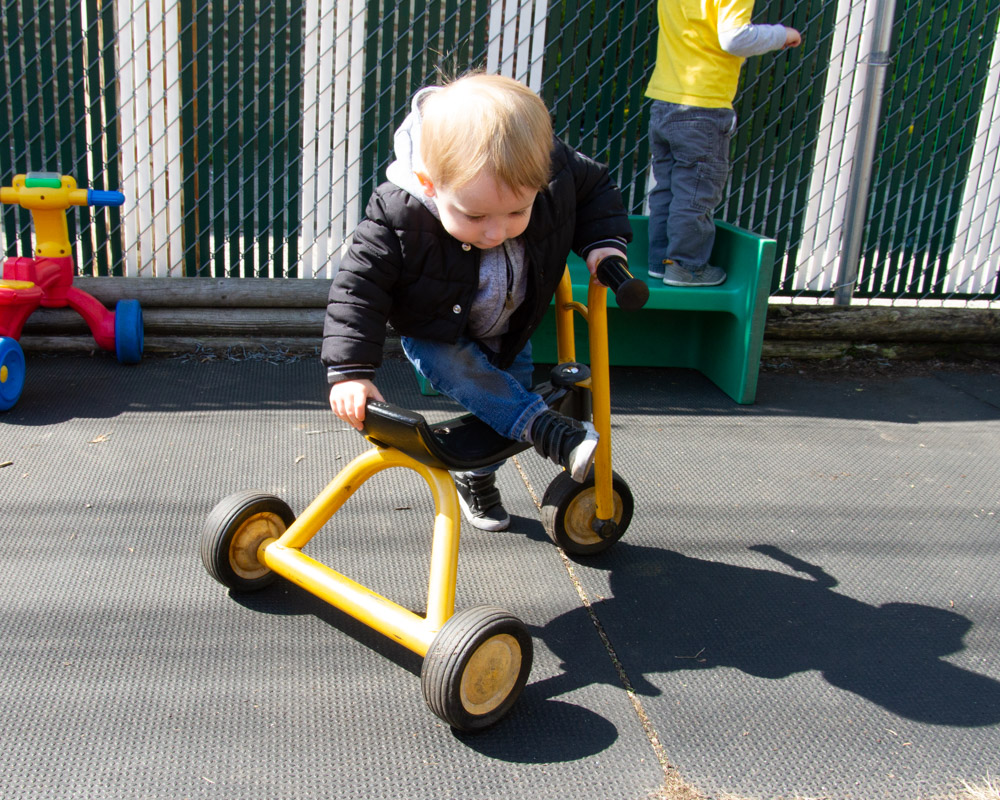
(464, 371)
(690, 151)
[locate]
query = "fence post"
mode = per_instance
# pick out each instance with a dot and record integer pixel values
(864, 154)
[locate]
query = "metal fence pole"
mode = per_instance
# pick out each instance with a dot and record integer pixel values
(864, 154)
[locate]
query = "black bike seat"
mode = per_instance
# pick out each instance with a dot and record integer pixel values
(466, 442)
(459, 444)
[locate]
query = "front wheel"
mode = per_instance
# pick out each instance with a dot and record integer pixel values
(569, 514)
(12, 371)
(234, 532)
(476, 667)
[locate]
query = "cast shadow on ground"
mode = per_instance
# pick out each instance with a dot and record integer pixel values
(525, 735)
(670, 612)
(58, 389)
(98, 387)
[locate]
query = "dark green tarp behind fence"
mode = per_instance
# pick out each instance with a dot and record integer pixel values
(241, 79)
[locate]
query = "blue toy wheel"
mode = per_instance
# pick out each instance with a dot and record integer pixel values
(128, 331)
(11, 372)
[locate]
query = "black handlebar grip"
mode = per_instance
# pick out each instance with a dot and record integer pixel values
(631, 293)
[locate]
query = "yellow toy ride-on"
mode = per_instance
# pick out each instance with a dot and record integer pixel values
(476, 661)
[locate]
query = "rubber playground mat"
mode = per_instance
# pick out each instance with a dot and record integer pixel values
(805, 605)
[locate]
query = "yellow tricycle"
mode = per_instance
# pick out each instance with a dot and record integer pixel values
(475, 661)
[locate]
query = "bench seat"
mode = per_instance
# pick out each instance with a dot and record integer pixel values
(717, 330)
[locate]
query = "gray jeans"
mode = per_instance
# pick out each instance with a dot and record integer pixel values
(690, 151)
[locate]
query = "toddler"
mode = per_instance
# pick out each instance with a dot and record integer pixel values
(461, 251)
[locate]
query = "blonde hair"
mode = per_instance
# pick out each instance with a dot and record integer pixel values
(486, 123)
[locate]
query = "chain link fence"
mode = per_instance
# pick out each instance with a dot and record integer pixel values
(247, 136)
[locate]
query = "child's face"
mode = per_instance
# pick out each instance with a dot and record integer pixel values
(482, 213)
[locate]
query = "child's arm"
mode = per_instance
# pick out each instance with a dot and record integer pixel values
(602, 224)
(756, 40)
(348, 398)
(355, 325)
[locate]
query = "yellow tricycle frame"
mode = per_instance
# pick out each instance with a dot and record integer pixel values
(595, 313)
(475, 662)
(284, 555)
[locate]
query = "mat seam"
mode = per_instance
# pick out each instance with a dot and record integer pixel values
(674, 786)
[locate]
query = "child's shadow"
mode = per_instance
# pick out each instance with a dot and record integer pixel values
(671, 612)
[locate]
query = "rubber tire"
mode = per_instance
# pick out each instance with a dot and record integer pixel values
(128, 332)
(451, 654)
(268, 517)
(568, 510)
(12, 369)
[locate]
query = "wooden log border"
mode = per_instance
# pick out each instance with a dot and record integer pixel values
(191, 314)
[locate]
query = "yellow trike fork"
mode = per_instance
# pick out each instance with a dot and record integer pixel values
(284, 555)
(596, 315)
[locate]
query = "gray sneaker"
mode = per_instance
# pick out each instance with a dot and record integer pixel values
(656, 270)
(676, 275)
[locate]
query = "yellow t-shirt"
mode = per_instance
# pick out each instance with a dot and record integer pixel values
(691, 67)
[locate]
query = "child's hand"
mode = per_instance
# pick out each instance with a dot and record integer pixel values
(595, 257)
(348, 398)
(792, 37)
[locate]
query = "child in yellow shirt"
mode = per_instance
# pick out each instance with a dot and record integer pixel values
(701, 46)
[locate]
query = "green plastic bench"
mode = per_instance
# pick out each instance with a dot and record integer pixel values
(717, 330)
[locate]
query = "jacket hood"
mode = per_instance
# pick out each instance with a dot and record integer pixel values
(406, 146)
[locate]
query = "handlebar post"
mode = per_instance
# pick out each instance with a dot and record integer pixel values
(565, 336)
(597, 327)
(47, 196)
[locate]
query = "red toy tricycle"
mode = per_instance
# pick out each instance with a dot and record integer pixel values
(47, 279)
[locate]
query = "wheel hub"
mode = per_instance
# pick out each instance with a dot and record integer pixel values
(582, 524)
(247, 540)
(490, 674)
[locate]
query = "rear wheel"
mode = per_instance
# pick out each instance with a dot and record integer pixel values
(128, 331)
(12, 371)
(234, 532)
(476, 667)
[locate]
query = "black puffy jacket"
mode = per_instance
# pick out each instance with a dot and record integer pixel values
(403, 267)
